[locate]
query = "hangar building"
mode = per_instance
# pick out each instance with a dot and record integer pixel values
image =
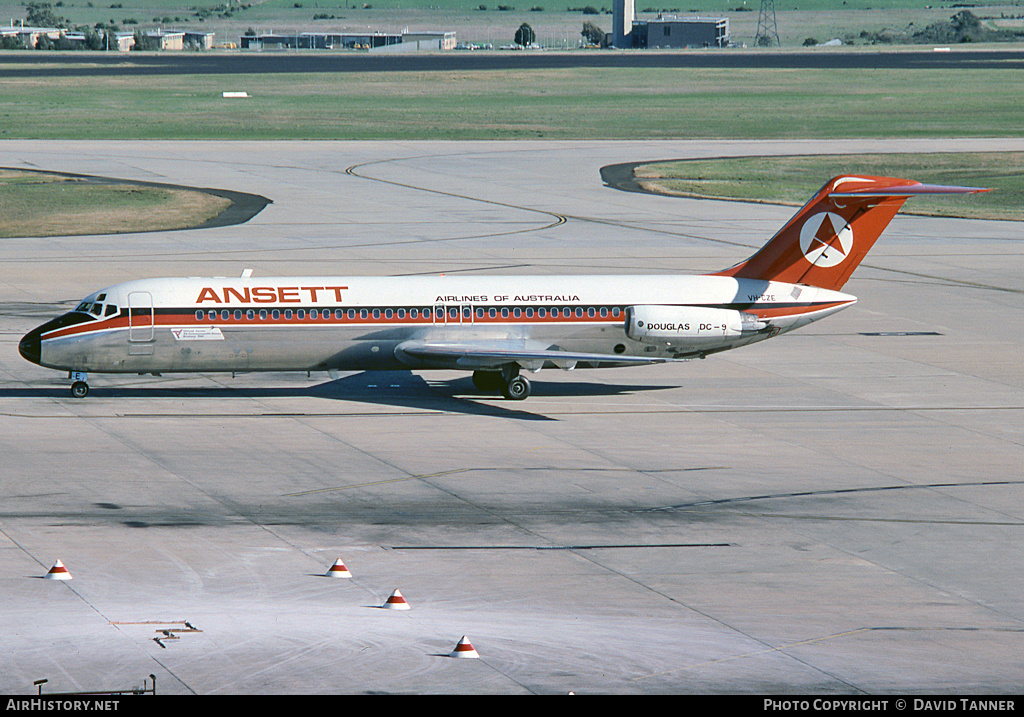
(372, 40)
(680, 32)
(666, 31)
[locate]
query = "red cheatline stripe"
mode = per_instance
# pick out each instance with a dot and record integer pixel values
(189, 320)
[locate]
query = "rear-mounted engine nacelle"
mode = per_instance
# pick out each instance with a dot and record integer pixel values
(660, 324)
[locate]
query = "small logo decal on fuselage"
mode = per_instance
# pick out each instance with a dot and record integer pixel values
(206, 333)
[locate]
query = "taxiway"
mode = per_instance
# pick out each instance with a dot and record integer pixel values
(840, 510)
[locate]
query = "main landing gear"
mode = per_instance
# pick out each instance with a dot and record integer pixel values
(511, 385)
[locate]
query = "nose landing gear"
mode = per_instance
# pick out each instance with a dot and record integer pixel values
(79, 385)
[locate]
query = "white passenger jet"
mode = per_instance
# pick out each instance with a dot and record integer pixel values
(493, 326)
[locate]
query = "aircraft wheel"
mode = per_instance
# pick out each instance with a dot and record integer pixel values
(79, 389)
(518, 388)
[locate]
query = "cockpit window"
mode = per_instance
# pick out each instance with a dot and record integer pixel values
(96, 309)
(111, 310)
(83, 307)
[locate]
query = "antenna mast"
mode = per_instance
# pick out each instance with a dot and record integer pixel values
(767, 26)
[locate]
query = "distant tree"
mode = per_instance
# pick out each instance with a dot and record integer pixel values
(94, 40)
(40, 14)
(965, 22)
(965, 26)
(810, 42)
(592, 33)
(145, 42)
(525, 35)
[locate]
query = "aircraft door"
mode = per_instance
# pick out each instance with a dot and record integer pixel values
(140, 323)
(453, 314)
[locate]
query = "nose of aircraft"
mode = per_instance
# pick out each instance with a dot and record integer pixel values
(29, 346)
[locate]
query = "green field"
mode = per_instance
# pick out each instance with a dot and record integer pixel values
(555, 104)
(556, 24)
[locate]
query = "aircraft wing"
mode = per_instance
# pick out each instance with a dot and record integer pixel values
(530, 355)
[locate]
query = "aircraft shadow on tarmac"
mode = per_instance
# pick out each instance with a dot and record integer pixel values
(389, 388)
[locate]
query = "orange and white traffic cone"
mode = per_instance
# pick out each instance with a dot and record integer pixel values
(338, 570)
(464, 649)
(58, 572)
(396, 602)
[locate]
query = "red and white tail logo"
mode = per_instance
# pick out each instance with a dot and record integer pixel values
(829, 237)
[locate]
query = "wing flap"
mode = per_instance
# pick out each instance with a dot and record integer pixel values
(495, 354)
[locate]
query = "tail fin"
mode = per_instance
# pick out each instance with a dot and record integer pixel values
(826, 240)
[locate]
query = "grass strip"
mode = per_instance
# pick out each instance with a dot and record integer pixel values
(792, 179)
(43, 204)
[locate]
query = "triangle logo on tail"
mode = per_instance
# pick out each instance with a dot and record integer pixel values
(826, 239)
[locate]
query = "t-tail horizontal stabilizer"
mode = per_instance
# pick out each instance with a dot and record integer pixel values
(829, 237)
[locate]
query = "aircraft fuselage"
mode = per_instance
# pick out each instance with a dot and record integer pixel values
(360, 323)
